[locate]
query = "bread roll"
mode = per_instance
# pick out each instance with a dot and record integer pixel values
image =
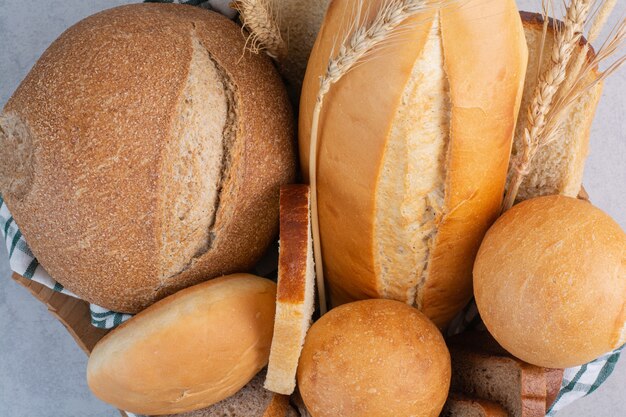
(413, 150)
(374, 358)
(295, 297)
(558, 168)
(550, 282)
(188, 351)
(144, 153)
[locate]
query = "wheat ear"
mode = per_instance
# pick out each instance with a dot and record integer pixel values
(566, 40)
(597, 24)
(356, 45)
(259, 18)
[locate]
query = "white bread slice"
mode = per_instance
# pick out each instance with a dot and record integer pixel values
(558, 167)
(251, 401)
(482, 368)
(295, 296)
(462, 406)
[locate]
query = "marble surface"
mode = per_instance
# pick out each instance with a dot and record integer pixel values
(42, 370)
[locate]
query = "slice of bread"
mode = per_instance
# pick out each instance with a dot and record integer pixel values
(296, 288)
(462, 406)
(482, 368)
(558, 167)
(251, 401)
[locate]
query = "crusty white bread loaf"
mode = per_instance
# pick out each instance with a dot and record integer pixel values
(374, 358)
(188, 351)
(459, 405)
(558, 168)
(484, 369)
(250, 401)
(413, 150)
(563, 302)
(144, 153)
(295, 296)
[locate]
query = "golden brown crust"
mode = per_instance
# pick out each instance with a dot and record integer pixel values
(554, 380)
(369, 359)
(278, 406)
(188, 351)
(294, 243)
(355, 125)
(554, 251)
(100, 104)
(486, 92)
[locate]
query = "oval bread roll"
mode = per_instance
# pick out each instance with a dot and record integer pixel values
(188, 351)
(413, 150)
(144, 153)
(550, 282)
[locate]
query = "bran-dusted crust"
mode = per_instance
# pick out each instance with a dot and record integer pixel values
(98, 109)
(355, 125)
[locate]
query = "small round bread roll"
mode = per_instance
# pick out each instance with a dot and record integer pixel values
(550, 282)
(188, 351)
(374, 358)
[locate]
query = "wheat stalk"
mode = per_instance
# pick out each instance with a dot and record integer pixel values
(599, 21)
(360, 40)
(566, 40)
(581, 84)
(260, 19)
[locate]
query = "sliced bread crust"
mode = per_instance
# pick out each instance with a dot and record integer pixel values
(295, 296)
(478, 359)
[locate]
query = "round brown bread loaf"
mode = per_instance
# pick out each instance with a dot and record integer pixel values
(414, 145)
(144, 153)
(374, 358)
(550, 282)
(188, 351)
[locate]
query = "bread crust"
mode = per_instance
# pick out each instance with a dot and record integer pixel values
(483, 342)
(355, 124)
(563, 303)
(188, 351)
(366, 358)
(294, 238)
(100, 104)
(295, 297)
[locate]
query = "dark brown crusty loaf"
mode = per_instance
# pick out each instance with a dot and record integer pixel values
(482, 368)
(251, 401)
(144, 153)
